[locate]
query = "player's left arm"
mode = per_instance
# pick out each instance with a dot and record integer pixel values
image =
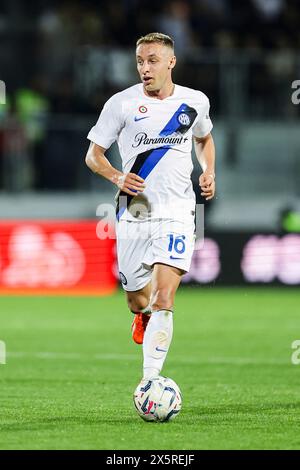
(205, 153)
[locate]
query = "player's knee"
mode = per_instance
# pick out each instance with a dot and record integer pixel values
(136, 303)
(162, 299)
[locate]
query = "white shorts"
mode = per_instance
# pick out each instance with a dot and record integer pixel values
(142, 244)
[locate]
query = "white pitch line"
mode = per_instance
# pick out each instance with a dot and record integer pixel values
(135, 357)
(70, 356)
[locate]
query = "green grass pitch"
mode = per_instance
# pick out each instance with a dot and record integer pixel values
(72, 367)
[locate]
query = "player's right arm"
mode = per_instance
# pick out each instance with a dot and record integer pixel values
(95, 159)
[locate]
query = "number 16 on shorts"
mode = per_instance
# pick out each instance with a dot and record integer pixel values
(176, 244)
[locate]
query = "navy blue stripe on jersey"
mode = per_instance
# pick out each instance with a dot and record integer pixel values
(143, 165)
(139, 161)
(122, 209)
(181, 121)
(153, 159)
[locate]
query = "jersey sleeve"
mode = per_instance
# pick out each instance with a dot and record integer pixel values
(204, 124)
(109, 124)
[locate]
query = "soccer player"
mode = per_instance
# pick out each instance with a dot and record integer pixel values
(154, 123)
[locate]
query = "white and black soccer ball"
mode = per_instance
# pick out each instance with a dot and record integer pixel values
(158, 399)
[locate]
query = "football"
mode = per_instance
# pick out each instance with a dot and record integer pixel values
(158, 399)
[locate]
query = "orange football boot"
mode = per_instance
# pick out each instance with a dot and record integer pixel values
(139, 326)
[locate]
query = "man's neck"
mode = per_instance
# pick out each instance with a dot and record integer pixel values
(163, 93)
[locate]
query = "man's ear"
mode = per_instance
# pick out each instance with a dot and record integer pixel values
(172, 62)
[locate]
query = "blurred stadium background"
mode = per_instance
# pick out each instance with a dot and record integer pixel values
(60, 61)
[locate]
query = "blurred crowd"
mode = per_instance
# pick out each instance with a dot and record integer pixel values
(60, 47)
(66, 57)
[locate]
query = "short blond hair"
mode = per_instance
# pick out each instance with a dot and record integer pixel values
(159, 38)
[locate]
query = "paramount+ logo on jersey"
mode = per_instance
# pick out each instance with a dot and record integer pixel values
(174, 131)
(142, 139)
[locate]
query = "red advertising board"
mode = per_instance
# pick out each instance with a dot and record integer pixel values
(53, 257)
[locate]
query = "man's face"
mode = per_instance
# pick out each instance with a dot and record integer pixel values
(154, 63)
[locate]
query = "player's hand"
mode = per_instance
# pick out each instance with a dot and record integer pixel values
(207, 185)
(131, 184)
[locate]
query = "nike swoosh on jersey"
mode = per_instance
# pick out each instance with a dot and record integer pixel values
(174, 257)
(139, 119)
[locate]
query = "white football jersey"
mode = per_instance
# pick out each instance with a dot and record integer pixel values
(155, 141)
